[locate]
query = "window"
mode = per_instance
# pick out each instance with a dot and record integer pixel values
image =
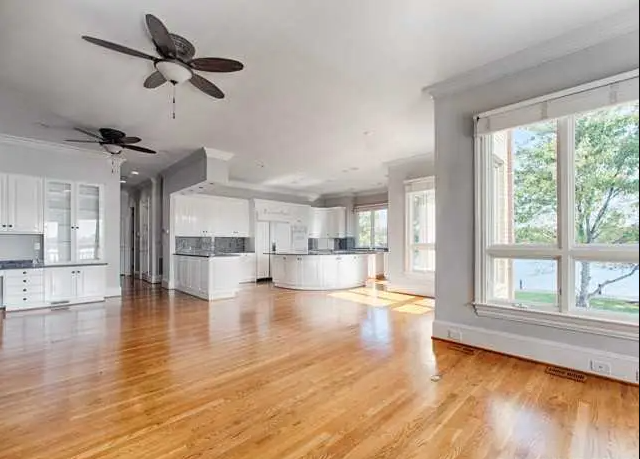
(371, 227)
(421, 226)
(557, 203)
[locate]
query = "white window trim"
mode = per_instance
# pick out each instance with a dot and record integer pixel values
(413, 186)
(567, 252)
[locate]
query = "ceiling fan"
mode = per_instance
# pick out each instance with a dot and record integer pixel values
(112, 140)
(176, 63)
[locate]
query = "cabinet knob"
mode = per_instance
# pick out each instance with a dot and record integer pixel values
(24, 281)
(24, 272)
(24, 299)
(10, 226)
(4, 226)
(24, 289)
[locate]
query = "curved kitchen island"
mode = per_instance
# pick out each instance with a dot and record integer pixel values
(330, 271)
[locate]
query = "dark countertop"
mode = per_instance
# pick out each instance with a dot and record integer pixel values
(209, 255)
(28, 264)
(334, 253)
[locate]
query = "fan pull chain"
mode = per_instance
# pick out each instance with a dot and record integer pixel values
(173, 101)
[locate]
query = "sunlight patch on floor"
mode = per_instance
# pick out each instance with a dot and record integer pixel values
(413, 309)
(362, 299)
(396, 297)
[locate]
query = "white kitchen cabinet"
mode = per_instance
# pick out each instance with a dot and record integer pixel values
(23, 289)
(211, 216)
(208, 278)
(328, 222)
(21, 204)
(319, 272)
(74, 284)
(73, 228)
(90, 282)
(247, 267)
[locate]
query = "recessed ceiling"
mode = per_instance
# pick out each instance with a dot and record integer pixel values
(328, 86)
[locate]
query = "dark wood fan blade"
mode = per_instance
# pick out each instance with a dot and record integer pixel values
(129, 140)
(160, 36)
(117, 47)
(89, 133)
(216, 64)
(206, 86)
(111, 134)
(82, 141)
(154, 80)
(140, 149)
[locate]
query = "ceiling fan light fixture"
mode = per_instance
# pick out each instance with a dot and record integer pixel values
(112, 148)
(173, 71)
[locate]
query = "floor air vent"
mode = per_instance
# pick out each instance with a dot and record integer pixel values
(464, 349)
(566, 374)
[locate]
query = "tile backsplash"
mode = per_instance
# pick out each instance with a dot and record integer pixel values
(344, 243)
(21, 247)
(212, 245)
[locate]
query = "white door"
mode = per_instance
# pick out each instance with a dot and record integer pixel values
(24, 197)
(59, 285)
(263, 248)
(3, 203)
(90, 281)
(282, 236)
(88, 227)
(59, 221)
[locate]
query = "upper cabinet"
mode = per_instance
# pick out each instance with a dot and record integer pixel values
(21, 198)
(211, 216)
(328, 222)
(73, 229)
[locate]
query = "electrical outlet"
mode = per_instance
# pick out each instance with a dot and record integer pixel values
(602, 368)
(454, 335)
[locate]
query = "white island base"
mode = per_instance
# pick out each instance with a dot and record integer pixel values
(209, 278)
(319, 272)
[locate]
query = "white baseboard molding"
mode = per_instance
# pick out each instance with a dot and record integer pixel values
(419, 290)
(623, 367)
(113, 291)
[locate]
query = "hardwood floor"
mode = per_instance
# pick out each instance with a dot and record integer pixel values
(285, 375)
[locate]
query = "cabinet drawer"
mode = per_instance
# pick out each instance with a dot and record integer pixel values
(16, 282)
(23, 300)
(20, 273)
(22, 290)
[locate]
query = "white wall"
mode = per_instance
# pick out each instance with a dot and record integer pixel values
(22, 156)
(454, 182)
(399, 279)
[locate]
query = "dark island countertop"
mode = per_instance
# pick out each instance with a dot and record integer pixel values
(208, 255)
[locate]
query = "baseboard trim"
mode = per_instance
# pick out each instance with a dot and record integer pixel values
(113, 291)
(623, 368)
(409, 290)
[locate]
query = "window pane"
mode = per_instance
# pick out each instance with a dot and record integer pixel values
(611, 287)
(524, 185)
(525, 281)
(380, 228)
(606, 175)
(364, 229)
(423, 210)
(423, 260)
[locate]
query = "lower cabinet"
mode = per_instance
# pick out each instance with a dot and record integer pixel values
(23, 289)
(248, 267)
(319, 272)
(208, 278)
(76, 284)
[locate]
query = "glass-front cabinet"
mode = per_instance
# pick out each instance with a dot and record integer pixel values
(73, 222)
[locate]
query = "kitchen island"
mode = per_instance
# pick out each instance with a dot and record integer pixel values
(320, 271)
(208, 276)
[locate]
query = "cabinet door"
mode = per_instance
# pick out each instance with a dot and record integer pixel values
(240, 218)
(58, 221)
(330, 267)
(194, 274)
(90, 281)
(310, 274)
(278, 268)
(24, 204)
(3, 203)
(59, 285)
(88, 228)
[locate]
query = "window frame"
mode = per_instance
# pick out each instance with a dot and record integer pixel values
(372, 209)
(565, 250)
(413, 187)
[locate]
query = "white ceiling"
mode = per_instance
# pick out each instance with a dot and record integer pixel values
(331, 88)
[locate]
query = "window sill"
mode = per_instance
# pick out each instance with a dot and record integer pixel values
(593, 325)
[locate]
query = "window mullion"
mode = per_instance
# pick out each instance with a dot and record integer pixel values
(566, 217)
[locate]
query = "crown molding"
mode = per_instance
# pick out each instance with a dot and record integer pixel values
(6, 139)
(576, 40)
(270, 189)
(355, 194)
